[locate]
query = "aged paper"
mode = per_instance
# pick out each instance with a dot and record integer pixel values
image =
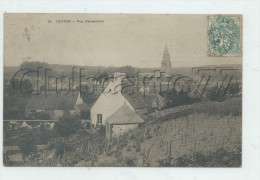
(123, 90)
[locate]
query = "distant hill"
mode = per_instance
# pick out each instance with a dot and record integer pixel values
(91, 70)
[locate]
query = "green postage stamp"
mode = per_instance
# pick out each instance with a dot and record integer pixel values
(225, 35)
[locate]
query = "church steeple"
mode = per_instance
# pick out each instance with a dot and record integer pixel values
(166, 55)
(166, 61)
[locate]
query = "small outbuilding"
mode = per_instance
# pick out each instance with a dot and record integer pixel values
(121, 121)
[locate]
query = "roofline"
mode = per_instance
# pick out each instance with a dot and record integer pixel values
(51, 109)
(100, 95)
(123, 123)
(35, 120)
(132, 104)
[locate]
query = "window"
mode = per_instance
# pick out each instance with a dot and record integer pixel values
(99, 118)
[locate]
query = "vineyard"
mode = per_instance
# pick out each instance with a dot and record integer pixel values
(162, 144)
(203, 134)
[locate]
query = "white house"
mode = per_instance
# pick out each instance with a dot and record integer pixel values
(111, 99)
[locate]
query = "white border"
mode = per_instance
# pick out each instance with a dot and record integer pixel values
(251, 120)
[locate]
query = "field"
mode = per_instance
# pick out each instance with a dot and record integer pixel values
(202, 134)
(204, 129)
(189, 135)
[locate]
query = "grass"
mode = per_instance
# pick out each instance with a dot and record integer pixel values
(202, 134)
(231, 106)
(196, 133)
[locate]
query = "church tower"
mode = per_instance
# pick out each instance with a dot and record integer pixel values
(166, 64)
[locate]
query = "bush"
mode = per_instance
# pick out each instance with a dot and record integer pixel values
(102, 130)
(130, 161)
(67, 125)
(43, 135)
(61, 148)
(178, 98)
(215, 94)
(85, 114)
(39, 115)
(233, 89)
(183, 161)
(219, 158)
(28, 146)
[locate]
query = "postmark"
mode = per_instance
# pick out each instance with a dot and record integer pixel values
(224, 35)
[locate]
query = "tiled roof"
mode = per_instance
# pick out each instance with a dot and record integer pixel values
(52, 101)
(83, 106)
(124, 115)
(151, 98)
(136, 100)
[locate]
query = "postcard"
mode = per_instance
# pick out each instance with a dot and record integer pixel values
(122, 90)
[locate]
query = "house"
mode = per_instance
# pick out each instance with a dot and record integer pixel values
(155, 101)
(113, 98)
(53, 105)
(121, 121)
(153, 83)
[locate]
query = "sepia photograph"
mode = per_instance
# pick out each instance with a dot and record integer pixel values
(122, 90)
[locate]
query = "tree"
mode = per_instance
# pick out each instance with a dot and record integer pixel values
(100, 76)
(26, 86)
(216, 94)
(43, 134)
(33, 65)
(129, 70)
(67, 125)
(89, 98)
(85, 114)
(39, 115)
(61, 148)
(102, 130)
(233, 89)
(183, 161)
(179, 98)
(14, 100)
(28, 146)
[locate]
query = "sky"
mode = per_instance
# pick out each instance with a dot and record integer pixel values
(116, 40)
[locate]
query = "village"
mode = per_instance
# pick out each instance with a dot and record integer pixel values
(109, 107)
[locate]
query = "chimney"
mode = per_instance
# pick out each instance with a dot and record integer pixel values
(118, 78)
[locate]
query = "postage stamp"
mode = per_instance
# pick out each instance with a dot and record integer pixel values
(224, 35)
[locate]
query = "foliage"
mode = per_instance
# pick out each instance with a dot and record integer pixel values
(101, 75)
(43, 135)
(26, 86)
(39, 115)
(68, 124)
(130, 161)
(14, 134)
(219, 158)
(14, 100)
(85, 114)
(33, 65)
(89, 99)
(129, 70)
(102, 130)
(178, 98)
(216, 94)
(233, 88)
(184, 161)
(28, 146)
(61, 148)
